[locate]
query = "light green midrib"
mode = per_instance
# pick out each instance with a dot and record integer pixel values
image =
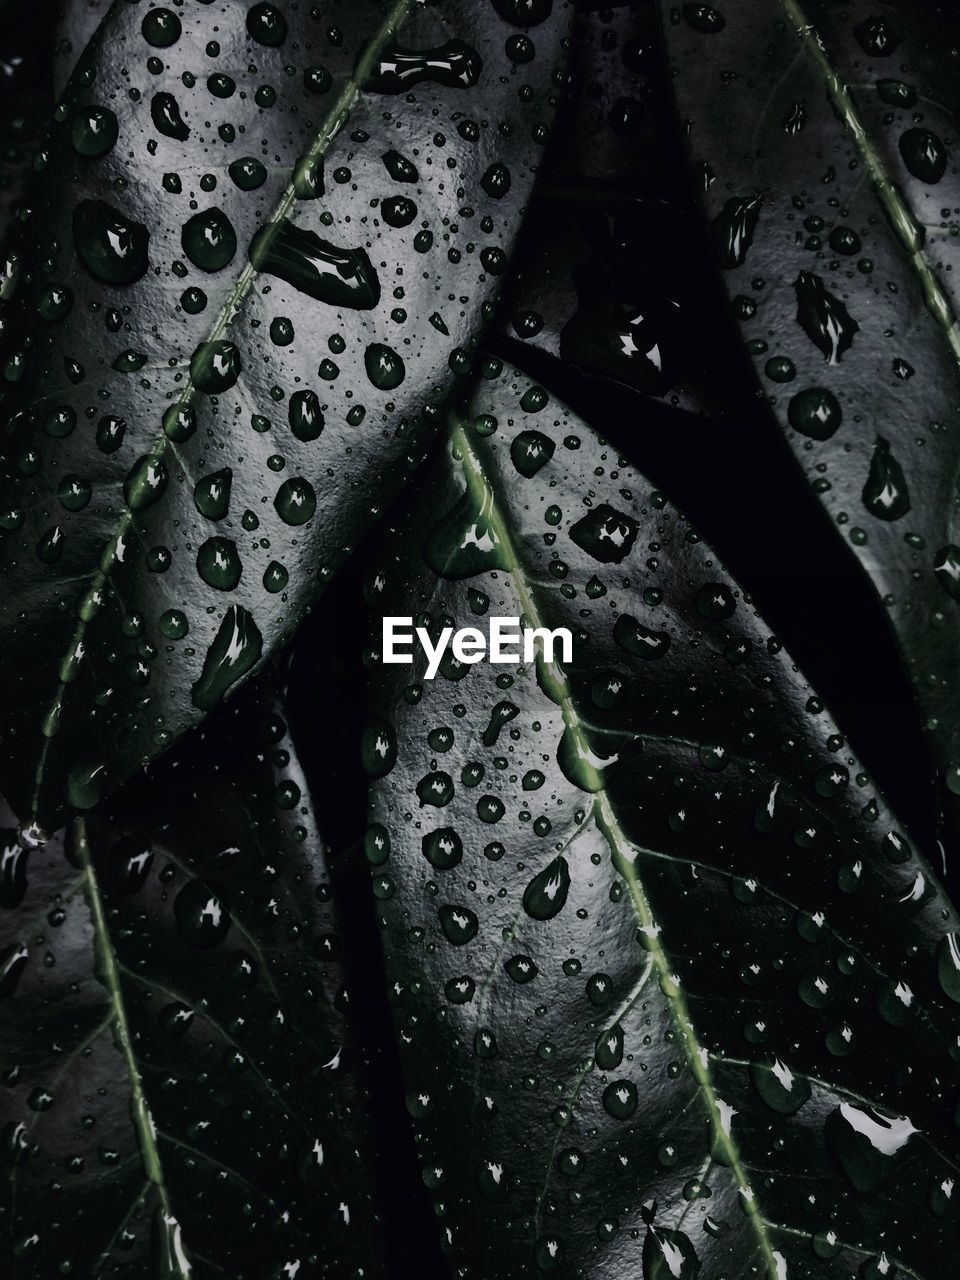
(333, 123)
(110, 977)
(609, 824)
(909, 232)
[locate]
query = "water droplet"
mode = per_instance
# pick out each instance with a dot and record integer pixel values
(340, 277)
(267, 25)
(247, 173)
(620, 1100)
(869, 1146)
(442, 848)
(219, 564)
(295, 501)
(924, 154)
(459, 924)
(145, 483)
(546, 894)
(876, 37)
(524, 13)
(160, 28)
(605, 534)
(212, 494)
(396, 70)
(93, 131)
(202, 914)
(166, 117)
(399, 167)
(13, 961)
(233, 653)
(885, 493)
(209, 240)
(384, 367)
(823, 317)
(215, 367)
(815, 412)
(639, 640)
(531, 450)
(704, 18)
(734, 228)
(113, 248)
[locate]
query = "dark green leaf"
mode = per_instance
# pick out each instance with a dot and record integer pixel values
(184, 1093)
(827, 131)
(679, 998)
(198, 289)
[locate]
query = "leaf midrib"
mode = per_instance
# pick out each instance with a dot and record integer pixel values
(332, 124)
(620, 847)
(110, 978)
(908, 231)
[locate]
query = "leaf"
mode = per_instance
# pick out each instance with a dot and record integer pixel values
(180, 1060)
(828, 131)
(244, 297)
(676, 995)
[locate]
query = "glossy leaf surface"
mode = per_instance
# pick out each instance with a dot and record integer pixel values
(825, 135)
(676, 995)
(262, 244)
(183, 1092)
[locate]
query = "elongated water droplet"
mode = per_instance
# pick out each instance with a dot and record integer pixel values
(235, 651)
(734, 228)
(396, 70)
(823, 317)
(166, 117)
(885, 493)
(340, 277)
(546, 894)
(869, 1146)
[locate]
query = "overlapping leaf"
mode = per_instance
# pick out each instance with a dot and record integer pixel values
(676, 995)
(826, 135)
(184, 1090)
(261, 247)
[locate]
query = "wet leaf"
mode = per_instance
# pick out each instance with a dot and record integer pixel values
(179, 1057)
(223, 232)
(846, 293)
(702, 1021)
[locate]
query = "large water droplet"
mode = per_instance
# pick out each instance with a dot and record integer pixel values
(885, 493)
(166, 117)
(340, 277)
(209, 240)
(235, 651)
(924, 154)
(823, 317)
(112, 247)
(546, 894)
(202, 914)
(212, 494)
(734, 228)
(606, 534)
(454, 64)
(384, 366)
(869, 1147)
(219, 564)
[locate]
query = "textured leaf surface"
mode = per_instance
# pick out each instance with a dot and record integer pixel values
(260, 252)
(827, 136)
(676, 996)
(183, 1094)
